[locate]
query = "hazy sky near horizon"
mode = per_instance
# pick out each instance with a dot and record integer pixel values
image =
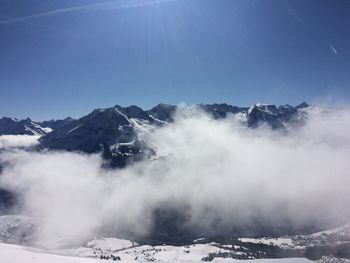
(63, 58)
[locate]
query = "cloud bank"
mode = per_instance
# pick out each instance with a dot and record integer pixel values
(18, 141)
(222, 177)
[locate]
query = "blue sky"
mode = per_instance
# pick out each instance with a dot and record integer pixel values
(65, 58)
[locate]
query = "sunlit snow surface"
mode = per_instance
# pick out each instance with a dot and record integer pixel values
(19, 254)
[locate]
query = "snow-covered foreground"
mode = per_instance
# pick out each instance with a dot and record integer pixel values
(20, 254)
(24, 234)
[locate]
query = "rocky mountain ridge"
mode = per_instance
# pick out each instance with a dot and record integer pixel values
(116, 131)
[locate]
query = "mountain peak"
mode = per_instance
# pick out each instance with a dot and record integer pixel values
(162, 112)
(302, 105)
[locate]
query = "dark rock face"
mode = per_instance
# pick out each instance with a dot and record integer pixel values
(302, 106)
(90, 133)
(113, 131)
(221, 110)
(276, 118)
(56, 124)
(135, 112)
(12, 126)
(163, 112)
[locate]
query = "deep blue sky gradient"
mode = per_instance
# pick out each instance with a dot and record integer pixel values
(193, 51)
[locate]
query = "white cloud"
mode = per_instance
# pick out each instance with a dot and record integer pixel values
(18, 141)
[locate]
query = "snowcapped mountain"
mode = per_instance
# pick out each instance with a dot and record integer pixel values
(276, 117)
(132, 116)
(12, 126)
(162, 112)
(117, 131)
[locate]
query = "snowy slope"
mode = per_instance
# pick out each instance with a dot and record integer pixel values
(20, 254)
(12, 126)
(336, 236)
(110, 244)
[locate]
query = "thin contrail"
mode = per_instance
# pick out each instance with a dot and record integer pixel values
(291, 10)
(114, 4)
(333, 49)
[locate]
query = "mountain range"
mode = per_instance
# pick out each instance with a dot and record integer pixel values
(116, 131)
